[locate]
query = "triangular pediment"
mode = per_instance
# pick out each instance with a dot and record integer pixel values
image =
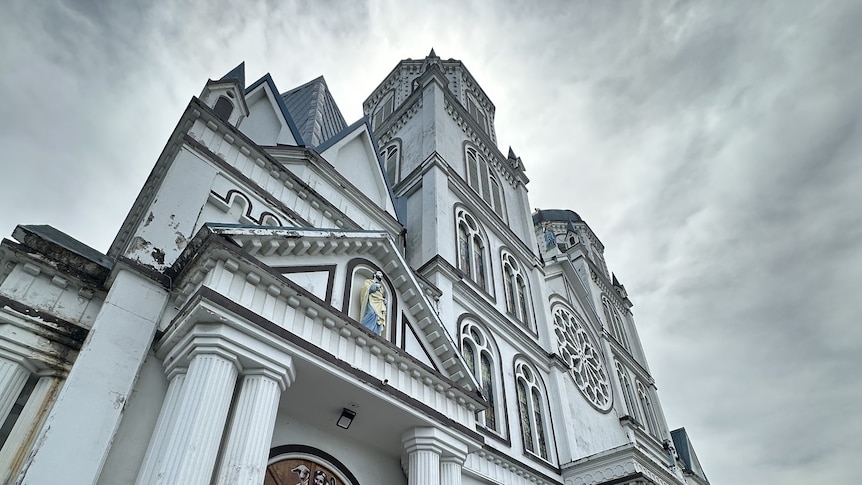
(269, 123)
(316, 269)
(354, 154)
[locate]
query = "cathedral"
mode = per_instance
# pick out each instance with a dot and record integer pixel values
(293, 299)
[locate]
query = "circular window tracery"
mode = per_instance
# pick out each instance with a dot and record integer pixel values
(580, 352)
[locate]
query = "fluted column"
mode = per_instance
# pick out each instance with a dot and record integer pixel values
(434, 457)
(166, 422)
(250, 435)
(423, 465)
(23, 434)
(194, 440)
(450, 470)
(13, 376)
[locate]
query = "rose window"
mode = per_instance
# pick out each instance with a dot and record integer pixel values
(580, 352)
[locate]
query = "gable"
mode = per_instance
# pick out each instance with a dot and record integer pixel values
(268, 122)
(275, 262)
(354, 155)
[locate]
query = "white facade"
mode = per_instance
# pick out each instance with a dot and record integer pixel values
(218, 340)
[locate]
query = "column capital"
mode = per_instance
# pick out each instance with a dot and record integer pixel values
(449, 448)
(229, 339)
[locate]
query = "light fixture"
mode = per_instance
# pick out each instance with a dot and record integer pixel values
(346, 418)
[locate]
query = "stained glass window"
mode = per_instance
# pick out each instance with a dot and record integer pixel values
(531, 409)
(479, 354)
(515, 289)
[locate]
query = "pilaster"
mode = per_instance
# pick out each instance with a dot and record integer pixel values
(89, 407)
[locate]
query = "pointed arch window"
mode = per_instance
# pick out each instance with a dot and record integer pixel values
(481, 357)
(391, 160)
(648, 411)
(483, 181)
(515, 288)
(472, 253)
(531, 409)
(628, 392)
(614, 323)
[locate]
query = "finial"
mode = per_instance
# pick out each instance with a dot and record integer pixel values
(432, 54)
(511, 153)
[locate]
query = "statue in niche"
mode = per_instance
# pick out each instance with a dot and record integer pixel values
(550, 237)
(373, 298)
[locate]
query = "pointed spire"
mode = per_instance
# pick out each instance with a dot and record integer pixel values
(237, 74)
(616, 282)
(511, 154)
(432, 54)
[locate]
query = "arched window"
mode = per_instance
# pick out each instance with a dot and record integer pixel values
(481, 178)
(223, 108)
(614, 323)
(628, 392)
(578, 349)
(472, 253)
(515, 288)
(531, 409)
(390, 157)
(481, 357)
(648, 411)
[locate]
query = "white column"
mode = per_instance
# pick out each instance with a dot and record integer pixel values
(423, 466)
(248, 441)
(450, 470)
(167, 419)
(434, 457)
(13, 376)
(193, 444)
(29, 421)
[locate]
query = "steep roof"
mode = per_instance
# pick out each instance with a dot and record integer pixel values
(315, 112)
(686, 453)
(237, 73)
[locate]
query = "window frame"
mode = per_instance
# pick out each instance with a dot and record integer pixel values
(483, 181)
(486, 346)
(468, 238)
(516, 289)
(535, 408)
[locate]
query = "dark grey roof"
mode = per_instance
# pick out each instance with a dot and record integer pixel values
(238, 74)
(555, 215)
(686, 453)
(316, 115)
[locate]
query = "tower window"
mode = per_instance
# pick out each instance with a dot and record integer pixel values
(223, 108)
(384, 111)
(481, 179)
(477, 114)
(515, 288)
(390, 155)
(649, 412)
(472, 256)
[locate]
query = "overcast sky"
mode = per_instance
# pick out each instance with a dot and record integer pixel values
(714, 147)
